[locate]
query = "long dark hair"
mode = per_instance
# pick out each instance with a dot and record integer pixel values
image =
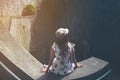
(61, 42)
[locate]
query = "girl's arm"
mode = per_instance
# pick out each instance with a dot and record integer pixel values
(77, 65)
(73, 57)
(52, 55)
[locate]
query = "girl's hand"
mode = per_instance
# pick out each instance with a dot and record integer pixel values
(44, 69)
(79, 65)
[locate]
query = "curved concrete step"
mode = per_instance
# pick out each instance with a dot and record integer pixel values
(93, 69)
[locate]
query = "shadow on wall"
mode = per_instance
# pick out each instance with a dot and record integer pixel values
(106, 37)
(66, 13)
(82, 18)
(43, 28)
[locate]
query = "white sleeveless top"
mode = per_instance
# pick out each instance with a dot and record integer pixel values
(62, 63)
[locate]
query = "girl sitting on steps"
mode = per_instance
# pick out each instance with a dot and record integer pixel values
(62, 55)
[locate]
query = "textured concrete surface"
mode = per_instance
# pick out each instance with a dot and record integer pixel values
(93, 68)
(20, 30)
(7, 74)
(18, 55)
(14, 7)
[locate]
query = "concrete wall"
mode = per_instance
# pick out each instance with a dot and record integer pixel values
(14, 7)
(20, 30)
(43, 29)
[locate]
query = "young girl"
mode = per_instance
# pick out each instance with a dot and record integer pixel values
(62, 55)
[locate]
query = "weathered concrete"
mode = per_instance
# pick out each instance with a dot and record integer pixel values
(14, 7)
(18, 55)
(14, 69)
(6, 21)
(7, 74)
(93, 68)
(20, 29)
